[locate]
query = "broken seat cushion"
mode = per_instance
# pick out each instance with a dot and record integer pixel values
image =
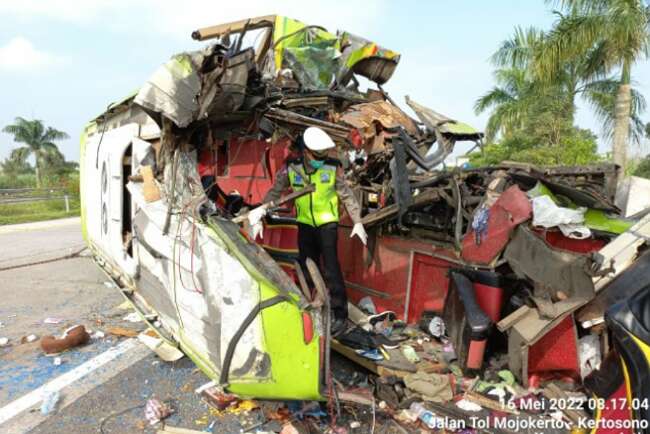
(555, 270)
(511, 209)
(467, 324)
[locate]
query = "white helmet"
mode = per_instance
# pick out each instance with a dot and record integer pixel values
(317, 139)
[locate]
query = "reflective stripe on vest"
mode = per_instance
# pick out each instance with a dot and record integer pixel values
(321, 206)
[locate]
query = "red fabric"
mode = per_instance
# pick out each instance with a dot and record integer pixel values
(207, 162)
(490, 300)
(475, 354)
(557, 351)
(557, 239)
(511, 209)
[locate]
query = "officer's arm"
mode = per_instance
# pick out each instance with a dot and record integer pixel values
(348, 198)
(280, 185)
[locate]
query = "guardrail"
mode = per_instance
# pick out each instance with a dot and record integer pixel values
(10, 196)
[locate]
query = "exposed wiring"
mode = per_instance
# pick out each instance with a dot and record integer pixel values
(192, 243)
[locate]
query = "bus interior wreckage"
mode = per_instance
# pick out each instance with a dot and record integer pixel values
(468, 272)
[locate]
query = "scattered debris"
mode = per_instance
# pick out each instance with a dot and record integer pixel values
(121, 331)
(52, 320)
(4, 342)
(29, 339)
(472, 294)
(132, 317)
(72, 337)
(49, 402)
(156, 410)
(165, 351)
(57, 361)
(175, 430)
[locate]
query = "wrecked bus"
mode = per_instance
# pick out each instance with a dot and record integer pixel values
(168, 174)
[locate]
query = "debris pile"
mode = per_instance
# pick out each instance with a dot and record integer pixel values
(483, 294)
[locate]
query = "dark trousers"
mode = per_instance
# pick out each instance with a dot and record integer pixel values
(317, 243)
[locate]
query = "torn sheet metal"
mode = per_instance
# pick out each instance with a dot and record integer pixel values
(436, 121)
(364, 116)
(511, 209)
(208, 299)
(172, 90)
(633, 195)
(622, 252)
(366, 58)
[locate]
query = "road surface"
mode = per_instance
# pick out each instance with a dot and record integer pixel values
(109, 375)
(104, 385)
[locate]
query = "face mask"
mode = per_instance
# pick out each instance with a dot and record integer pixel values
(316, 164)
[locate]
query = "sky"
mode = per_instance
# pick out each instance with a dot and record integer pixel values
(64, 61)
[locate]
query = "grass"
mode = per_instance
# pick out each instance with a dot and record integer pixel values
(37, 211)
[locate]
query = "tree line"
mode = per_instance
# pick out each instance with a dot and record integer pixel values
(38, 142)
(589, 53)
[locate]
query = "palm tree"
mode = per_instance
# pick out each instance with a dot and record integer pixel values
(508, 101)
(519, 95)
(16, 163)
(38, 140)
(613, 34)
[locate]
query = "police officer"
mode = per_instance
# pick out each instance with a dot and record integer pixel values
(318, 213)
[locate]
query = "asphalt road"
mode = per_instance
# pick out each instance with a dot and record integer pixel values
(75, 291)
(104, 385)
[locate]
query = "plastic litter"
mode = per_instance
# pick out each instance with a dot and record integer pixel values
(437, 327)
(155, 411)
(31, 338)
(410, 354)
(480, 223)
(52, 320)
(570, 221)
(373, 354)
(427, 417)
(507, 377)
(406, 416)
(466, 405)
(590, 357)
(366, 304)
(50, 399)
(132, 317)
(57, 361)
(4, 342)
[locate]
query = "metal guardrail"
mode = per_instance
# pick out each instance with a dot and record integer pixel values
(10, 196)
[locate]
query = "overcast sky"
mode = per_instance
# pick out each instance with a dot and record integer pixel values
(64, 61)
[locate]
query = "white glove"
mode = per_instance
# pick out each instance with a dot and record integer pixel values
(255, 220)
(256, 215)
(360, 232)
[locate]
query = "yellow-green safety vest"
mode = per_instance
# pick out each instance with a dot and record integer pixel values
(321, 206)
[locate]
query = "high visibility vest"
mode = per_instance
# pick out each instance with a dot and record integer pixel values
(321, 206)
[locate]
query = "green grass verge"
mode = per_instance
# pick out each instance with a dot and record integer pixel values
(37, 211)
